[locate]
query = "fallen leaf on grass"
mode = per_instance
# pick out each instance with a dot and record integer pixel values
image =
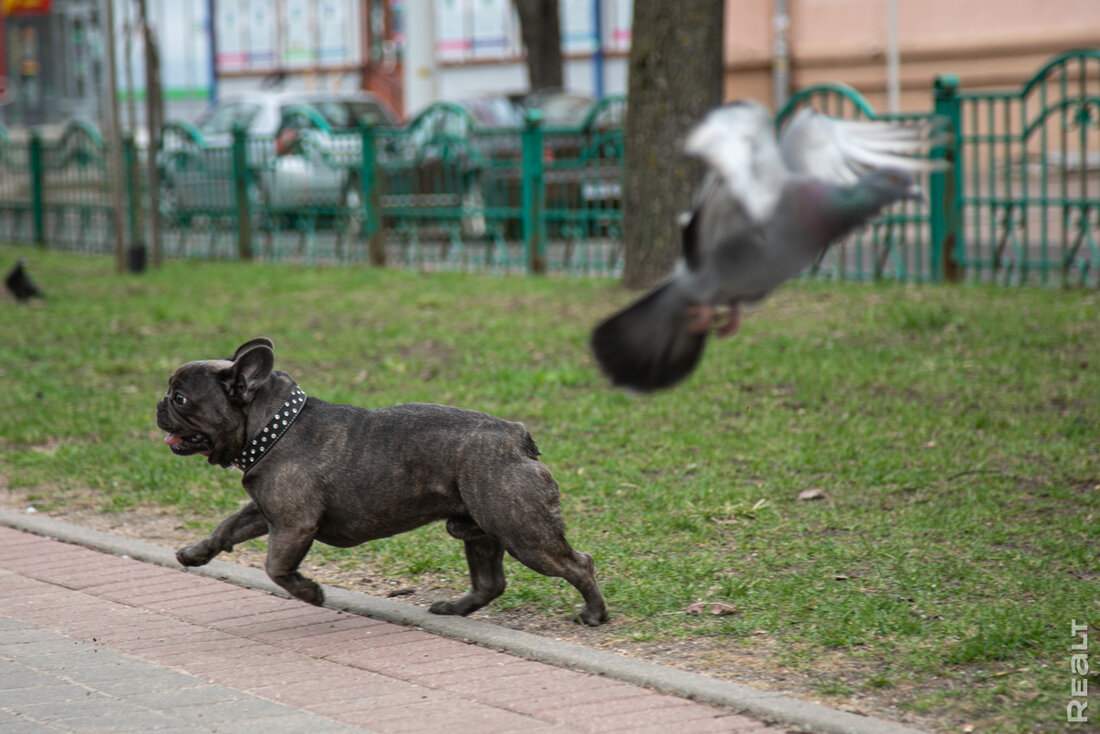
(716, 608)
(811, 494)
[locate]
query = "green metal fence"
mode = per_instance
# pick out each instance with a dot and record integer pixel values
(1020, 202)
(453, 194)
(1029, 175)
(209, 198)
(56, 192)
(439, 193)
(20, 194)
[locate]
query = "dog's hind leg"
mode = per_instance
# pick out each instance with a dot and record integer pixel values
(558, 558)
(533, 531)
(485, 557)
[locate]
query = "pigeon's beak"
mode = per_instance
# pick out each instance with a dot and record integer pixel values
(915, 194)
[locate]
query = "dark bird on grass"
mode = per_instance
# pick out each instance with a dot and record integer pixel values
(767, 209)
(20, 284)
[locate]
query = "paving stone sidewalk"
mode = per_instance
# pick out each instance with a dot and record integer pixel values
(93, 642)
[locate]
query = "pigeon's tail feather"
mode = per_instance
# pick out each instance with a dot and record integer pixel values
(647, 346)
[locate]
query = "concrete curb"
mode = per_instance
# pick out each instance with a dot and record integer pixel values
(770, 707)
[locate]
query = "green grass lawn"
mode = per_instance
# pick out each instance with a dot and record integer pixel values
(953, 431)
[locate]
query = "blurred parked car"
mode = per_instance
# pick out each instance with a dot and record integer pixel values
(496, 119)
(456, 156)
(302, 144)
(467, 153)
(558, 108)
(581, 160)
(584, 170)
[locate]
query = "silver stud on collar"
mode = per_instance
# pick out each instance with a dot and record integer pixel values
(274, 430)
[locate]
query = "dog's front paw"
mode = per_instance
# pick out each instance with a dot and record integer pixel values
(306, 590)
(314, 596)
(194, 555)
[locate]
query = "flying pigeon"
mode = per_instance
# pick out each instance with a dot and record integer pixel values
(767, 209)
(20, 284)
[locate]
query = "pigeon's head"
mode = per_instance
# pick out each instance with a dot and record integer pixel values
(888, 185)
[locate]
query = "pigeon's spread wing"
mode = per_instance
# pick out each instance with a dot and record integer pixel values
(737, 141)
(841, 151)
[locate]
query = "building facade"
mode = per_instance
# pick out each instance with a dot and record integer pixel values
(414, 52)
(991, 45)
(50, 60)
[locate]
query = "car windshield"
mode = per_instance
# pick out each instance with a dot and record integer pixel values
(562, 109)
(219, 120)
(345, 115)
(493, 111)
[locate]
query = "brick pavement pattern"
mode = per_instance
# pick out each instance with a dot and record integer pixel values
(95, 642)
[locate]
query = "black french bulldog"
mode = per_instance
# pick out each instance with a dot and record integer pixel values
(344, 475)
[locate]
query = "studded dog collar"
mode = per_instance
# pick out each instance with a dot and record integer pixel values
(266, 437)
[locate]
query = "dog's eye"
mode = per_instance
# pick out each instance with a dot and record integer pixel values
(179, 399)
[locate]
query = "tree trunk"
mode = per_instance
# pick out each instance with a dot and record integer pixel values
(541, 30)
(675, 76)
(154, 121)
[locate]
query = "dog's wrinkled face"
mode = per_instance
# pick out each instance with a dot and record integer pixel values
(206, 406)
(196, 411)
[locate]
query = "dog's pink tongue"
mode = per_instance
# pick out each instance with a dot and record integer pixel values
(173, 439)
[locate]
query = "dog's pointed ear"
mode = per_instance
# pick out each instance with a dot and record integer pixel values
(260, 341)
(251, 368)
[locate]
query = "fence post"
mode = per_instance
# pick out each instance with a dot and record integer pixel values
(369, 198)
(534, 194)
(240, 188)
(38, 216)
(946, 186)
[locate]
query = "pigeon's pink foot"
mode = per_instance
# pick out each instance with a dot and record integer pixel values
(731, 323)
(700, 318)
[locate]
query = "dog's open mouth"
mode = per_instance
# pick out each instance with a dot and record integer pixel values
(186, 444)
